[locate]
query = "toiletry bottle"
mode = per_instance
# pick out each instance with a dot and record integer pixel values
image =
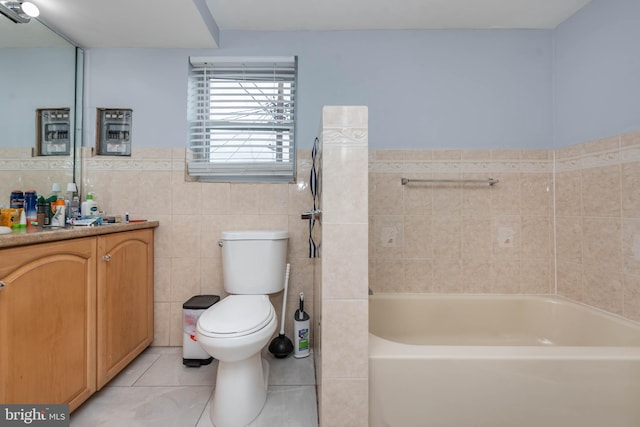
(23, 219)
(42, 217)
(89, 207)
(74, 208)
(59, 218)
(30, 206)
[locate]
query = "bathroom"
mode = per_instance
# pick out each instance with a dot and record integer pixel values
(501, 101)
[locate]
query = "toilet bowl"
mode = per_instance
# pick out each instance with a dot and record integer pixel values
(236, 329)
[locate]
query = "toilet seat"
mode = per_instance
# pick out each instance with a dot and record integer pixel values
(236, 316)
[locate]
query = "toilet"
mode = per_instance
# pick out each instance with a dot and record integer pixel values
(236, 329)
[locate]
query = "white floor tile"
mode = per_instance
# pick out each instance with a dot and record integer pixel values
(168, 370)
(291, 371)
(143, 407)
(163, 350)
(289, 406)
(157, 390)
(286, 406)
(129, 375)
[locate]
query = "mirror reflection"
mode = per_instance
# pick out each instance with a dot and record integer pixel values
(37, 72)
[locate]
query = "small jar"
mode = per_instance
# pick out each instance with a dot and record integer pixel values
(44, 213)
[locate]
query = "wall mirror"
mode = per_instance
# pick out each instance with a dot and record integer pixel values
(38, 70)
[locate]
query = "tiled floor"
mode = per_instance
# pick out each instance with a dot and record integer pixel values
(156, 390)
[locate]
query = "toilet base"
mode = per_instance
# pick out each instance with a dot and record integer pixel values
(240, 393)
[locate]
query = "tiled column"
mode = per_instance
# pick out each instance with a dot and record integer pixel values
(342, 345)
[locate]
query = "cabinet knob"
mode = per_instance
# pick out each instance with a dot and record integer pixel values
(106, 257)
(2, 284)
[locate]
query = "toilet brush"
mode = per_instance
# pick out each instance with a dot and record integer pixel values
(281, 346)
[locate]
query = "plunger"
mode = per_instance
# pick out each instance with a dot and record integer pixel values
(281, 346)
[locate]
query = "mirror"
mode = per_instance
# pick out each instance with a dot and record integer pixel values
(39, 70)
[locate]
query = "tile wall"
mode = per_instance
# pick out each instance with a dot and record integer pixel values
(453, 237)
(151, 184)
(598, 223)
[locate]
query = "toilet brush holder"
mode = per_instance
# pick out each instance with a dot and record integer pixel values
(301, 323)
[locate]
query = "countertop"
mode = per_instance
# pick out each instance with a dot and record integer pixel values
(35, 235)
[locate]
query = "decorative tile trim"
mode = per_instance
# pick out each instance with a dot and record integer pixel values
(129, 164)
(36, 163)
(611, 157)
(462, 166)
(345, 136)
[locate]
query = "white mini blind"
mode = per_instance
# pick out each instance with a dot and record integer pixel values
(242, 118)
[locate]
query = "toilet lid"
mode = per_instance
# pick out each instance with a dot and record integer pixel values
(236, 315)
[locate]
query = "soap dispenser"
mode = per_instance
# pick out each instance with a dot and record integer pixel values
(89, 207)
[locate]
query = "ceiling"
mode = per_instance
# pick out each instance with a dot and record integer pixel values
(195, 23)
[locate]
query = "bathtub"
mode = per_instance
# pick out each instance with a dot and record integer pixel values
(500, 361)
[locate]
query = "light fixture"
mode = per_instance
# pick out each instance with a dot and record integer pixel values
(30, 9)
(19, 12)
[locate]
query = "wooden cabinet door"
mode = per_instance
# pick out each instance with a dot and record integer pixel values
(125, 299)
(47, 323)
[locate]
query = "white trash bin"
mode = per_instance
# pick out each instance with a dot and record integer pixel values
(192, 353)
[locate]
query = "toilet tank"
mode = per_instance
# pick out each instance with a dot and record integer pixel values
(254, 262)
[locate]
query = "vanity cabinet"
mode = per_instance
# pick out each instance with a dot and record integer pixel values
(47, 323)
(125, 300)
(73, 313)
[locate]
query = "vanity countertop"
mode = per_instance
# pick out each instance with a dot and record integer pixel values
(35, 235)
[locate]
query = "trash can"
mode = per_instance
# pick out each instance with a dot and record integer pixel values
(192, 353)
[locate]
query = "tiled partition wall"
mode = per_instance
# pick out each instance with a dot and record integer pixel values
(341, 278)
(598, 223)
(151, 184)
(454, 237)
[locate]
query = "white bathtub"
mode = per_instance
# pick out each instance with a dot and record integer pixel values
(500, 361)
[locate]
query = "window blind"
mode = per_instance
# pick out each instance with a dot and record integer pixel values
(242, 118)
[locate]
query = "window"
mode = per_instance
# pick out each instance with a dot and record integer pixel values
(242, 119)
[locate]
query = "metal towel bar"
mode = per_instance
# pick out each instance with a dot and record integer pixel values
(490, 181)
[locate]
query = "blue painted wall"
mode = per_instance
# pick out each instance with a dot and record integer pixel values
(425, 89)
(597, 72)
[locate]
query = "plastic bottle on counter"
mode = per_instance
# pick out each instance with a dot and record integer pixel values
(31, 206)
(89, 207)
(73, 212)
(59, 218)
